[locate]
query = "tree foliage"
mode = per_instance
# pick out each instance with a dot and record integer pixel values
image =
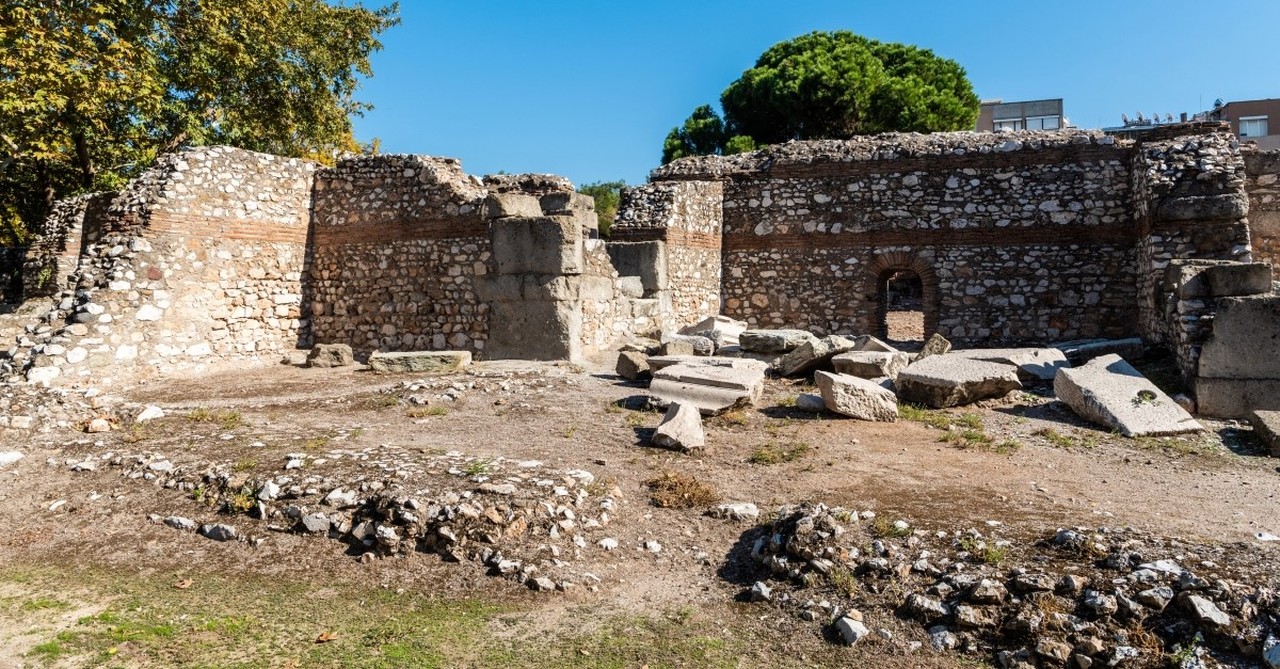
(830, 85)
(91, 91)
(608, 195)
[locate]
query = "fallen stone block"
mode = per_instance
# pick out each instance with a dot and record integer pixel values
(857, 398)
(431, 362)
(671, 345)
(657, 362)
(946, 380)
(814, 354)
(1033, 363)
(873, 344)
(811, 403)
(1266, 424)
(681, 428)
(871, 364)
(711, 388)
(1082, 351)
(1110, 392)
(773, 341)
(722, 330)
(330, 355)
(935, 345)
(632, 365)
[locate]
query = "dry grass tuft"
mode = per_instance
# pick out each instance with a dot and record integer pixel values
(675, 490)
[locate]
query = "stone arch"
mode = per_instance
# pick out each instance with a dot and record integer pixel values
(881, 267)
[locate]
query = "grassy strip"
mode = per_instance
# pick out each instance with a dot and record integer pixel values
(249, 622)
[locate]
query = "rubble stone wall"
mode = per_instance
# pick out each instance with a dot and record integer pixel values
(197, 261)
(1194, 206)
(398, 242)
(1262, 182)
(687, 219)
(1017, 238)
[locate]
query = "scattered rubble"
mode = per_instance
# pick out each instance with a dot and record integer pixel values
(1077, 598)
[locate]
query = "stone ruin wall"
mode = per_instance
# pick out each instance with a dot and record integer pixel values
(1262, 181)
(1017, 239)
(398, 242)
(218, 254)
(1192, 207)
(682, 223)
(199, 261)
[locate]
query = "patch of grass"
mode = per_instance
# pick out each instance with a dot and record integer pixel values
(1008, 446)
(732, 418)
(636, 419)
(916, 413)
(614, 407)
(318, 442)
(241, 501)
(51, 650)
(1054, 437)
(883, 527)
(677, 490)
(356, 432)
(987, 552)
(425, 412)
(966, 438)
(146, 623)
(568, 434)
(772, 454)
(226, 419)
(383, 401)
(788, 401)
(477, 467)
(601, 486)
(244, 465)
(844, 582)
(970, 421)
(138, 432)
(44, 604)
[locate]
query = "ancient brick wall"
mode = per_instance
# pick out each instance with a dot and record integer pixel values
(1016, 238)
(686, 219)
(198, 261)
(398, 243)
(1262, 182)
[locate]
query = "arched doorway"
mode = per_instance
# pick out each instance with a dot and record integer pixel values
(904, 292)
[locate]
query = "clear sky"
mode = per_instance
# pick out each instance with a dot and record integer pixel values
(589, 89)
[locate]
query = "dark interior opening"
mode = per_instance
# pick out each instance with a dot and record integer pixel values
(902, 298)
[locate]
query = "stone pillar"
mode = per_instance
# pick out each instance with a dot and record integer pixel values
(535, 288)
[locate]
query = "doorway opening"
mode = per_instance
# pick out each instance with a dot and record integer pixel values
(902, 300)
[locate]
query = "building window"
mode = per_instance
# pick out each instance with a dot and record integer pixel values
(1043, 123)
(1010, 124)
(1253, 126)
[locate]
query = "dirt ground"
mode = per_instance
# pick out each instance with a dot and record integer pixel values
(1041, 469)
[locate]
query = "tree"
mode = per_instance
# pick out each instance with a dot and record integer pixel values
(91, 91)
(608, 195)
(833, 85)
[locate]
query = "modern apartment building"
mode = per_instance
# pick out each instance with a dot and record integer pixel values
(1025, 115)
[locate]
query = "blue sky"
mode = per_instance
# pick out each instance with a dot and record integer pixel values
(589, 90)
